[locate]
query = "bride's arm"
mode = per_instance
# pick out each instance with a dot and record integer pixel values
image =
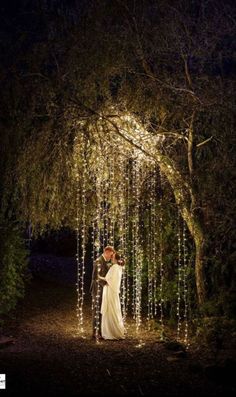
(102, 278)
(113, 278)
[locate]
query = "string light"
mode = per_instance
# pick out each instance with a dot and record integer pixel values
(149, 252)
(77, 240)
(111, 229)
(122, 231)
(127, 228)
(185, 292)
(93, 250)
(155, 234)
(133, 239)
(83, 236)
(179, 279)
(96, 304)
(161, 264)
(119, 221)
(138, 250)
(80, 198)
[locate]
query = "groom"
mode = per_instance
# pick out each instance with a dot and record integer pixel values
(100, 268)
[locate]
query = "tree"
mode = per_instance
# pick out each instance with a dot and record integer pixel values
(167, 64)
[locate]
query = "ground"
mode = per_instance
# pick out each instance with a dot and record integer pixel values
(48, 357)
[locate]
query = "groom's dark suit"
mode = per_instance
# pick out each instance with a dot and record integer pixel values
(100, 267)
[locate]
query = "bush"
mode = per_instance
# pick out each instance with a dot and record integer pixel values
(223, 304)
(215, 332)
(13, 267)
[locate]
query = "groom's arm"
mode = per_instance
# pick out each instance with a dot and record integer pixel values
(94, 276)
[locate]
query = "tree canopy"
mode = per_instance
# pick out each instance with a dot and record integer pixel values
(68, 70)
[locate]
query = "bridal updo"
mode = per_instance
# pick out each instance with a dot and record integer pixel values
(119, 259)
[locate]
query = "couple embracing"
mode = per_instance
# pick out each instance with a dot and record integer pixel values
(105, 289)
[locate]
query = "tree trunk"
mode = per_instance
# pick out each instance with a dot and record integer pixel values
(184, 196)
(197, 234)
(199, 267)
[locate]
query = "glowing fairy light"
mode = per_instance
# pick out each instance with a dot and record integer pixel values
(127, 229)
(153, 241)
(103, 216)
(152, 235)
(77, 243)
(149, 281)
(80, 254)
(96, 304)
(83, 237)
(105, 192)
(122, 230)
(104, 213)
(155, 234)
(106, 224)
(185, 290)
(161, 264)
(106, 202)
(138, 250)
(97, 309)
(111, 228)
(139, 289)
(179, 279)
(182, 280)
(95, 233)
(134, 239)
(93, 240)
(125, 281)
(149, 252)
(125, 240)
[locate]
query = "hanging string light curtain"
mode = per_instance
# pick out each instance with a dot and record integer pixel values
(118, 180)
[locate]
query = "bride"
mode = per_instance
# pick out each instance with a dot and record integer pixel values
(112, 326)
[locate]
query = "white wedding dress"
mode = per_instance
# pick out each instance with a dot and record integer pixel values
(112, 326)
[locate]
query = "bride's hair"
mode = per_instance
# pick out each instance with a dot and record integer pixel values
(119, 259)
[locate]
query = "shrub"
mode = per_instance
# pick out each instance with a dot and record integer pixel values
(13, 267)
(215, 332)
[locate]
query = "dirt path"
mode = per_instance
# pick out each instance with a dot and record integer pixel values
(50, 359)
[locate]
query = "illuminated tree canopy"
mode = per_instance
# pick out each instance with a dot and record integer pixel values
(153, 82)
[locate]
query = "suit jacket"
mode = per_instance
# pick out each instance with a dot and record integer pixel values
(100, 267)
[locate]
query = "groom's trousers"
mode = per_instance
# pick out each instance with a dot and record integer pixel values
(96, 310)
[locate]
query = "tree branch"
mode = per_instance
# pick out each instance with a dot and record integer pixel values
(204, 142)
